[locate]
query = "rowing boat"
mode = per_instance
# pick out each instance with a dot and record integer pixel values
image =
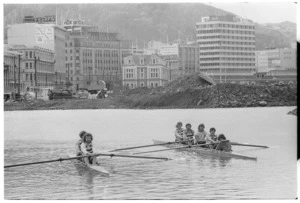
(93, 168)
(207, 151)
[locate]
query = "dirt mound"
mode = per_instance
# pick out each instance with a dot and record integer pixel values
(194, 92)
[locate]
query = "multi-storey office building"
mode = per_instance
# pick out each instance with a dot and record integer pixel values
(188, 56)
(226, 47)
(145, 71)
(92, 55)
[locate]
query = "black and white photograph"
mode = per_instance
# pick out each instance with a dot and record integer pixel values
(150, 100)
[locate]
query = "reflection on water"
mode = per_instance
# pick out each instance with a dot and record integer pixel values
(187, 176)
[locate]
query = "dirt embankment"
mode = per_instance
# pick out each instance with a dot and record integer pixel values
(185, 92)
(191, 92)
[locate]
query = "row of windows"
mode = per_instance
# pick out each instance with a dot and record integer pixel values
(222, 25)
(107, 54)
(102, 45)
(89, 61)
(71, 51)
(70, 44)
(229, 69)
(129, 73)
(154, 73)
(142, 61)
(228, 53)
(227, 42)
(226, 37)
(227, 64)
(71, 58)
(227, 59)
(226, 31)
(97, 69)
(228, 48)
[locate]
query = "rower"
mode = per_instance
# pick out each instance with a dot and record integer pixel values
(179, 132)
(211, 138)
(200, 135)
(224, 144)
(189, 134)
(78, 144)
(87, 140)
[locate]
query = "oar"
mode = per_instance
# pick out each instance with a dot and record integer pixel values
(79, 157)
(151, 145)
(249, 145)
(189, 146)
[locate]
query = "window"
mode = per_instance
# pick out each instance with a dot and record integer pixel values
(129, 61)
(30, 54)
(142, 61)
(153, 61)
(30, 64)
(129, 74)
(26, 76)
(26, 54)
(142, 73)
(142, 84)
(154, 73)
(26, 64)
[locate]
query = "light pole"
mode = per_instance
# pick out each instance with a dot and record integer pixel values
(14, 76)
(19, 87)
(35, 76)
(89, 75)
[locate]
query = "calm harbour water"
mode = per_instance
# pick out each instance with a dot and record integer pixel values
(44, 135)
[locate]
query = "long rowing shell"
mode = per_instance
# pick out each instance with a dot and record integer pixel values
(202, 150)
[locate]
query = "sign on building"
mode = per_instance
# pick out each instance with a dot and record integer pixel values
(44, 34)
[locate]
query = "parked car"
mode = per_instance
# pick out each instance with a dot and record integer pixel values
(82, 94)
(60, 94)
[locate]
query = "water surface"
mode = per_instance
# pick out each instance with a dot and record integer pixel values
(42, 135)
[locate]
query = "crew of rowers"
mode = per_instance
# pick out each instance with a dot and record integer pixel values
(201, 138)
(86, 139)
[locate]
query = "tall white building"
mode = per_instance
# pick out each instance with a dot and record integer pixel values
(47, 36)
(226, 48)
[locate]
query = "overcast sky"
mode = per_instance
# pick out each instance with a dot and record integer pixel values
(269, 12)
